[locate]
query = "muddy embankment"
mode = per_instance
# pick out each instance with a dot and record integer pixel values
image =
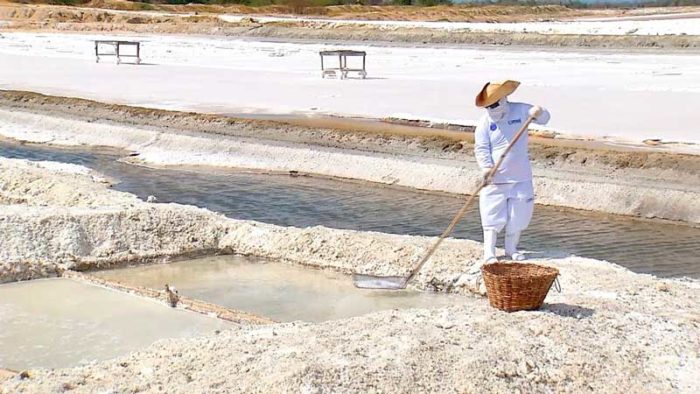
(430, 36)
(643, 182)
(455, 13)
(609, 330)
(63, 19)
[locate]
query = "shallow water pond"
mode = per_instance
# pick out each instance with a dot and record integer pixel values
(53, 323)
(279, 291)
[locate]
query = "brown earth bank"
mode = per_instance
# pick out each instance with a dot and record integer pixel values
(72, 19)
(452, 13)
(460, 13)
(366, 136)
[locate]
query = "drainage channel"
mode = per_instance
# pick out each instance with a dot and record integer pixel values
(644, 246)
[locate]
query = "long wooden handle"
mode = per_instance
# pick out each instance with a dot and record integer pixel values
(470, 200)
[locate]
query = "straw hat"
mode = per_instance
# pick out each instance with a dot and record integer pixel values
(494, 91)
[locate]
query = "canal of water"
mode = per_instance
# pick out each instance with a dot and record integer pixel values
(645, 246)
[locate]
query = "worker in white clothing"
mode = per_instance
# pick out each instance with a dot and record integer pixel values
(507, 202)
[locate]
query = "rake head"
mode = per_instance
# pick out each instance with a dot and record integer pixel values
(379, 282)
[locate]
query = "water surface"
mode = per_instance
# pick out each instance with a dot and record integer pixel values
(641, 245)
(58, 323)
(276, 290)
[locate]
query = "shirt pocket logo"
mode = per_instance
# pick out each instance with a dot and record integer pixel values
(514, 121)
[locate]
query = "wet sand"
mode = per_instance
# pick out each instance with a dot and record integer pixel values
(461, 133)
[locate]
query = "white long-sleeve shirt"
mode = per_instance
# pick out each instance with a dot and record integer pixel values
(492, 138)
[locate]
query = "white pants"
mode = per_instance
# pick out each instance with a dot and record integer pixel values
(507, 205)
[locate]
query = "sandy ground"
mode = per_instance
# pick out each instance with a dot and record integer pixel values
(609, 330)
(598, 95)
(638, 183)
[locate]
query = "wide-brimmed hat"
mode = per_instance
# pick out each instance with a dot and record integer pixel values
(494, 91)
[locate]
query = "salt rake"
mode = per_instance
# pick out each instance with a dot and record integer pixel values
(400, 282)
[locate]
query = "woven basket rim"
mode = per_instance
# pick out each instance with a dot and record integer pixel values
(513, 286)
(521, 269)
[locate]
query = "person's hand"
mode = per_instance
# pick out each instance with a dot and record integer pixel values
(535, 111)
(485, 173)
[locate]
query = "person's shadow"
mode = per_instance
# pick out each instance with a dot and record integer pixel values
(567, 310)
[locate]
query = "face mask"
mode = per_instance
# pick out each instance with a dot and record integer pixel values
(500, 111)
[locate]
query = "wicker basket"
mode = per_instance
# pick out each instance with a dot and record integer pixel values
(517, 286)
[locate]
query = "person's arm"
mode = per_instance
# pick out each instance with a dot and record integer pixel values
(541, 115)
(482, 147)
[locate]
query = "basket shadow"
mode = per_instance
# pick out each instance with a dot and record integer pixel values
(567, 310)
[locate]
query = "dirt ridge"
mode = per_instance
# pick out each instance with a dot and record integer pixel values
(72, 19)
(421, 141)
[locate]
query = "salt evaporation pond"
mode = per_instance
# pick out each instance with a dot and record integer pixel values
(643, 246)
(58, 323)
(276, 290)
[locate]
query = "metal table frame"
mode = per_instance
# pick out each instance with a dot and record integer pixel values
(343, 68)
(117, 50)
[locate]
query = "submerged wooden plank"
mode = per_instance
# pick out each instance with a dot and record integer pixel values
(183, 302)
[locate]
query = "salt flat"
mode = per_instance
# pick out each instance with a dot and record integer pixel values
(630, 96)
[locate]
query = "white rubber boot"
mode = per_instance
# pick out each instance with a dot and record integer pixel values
(490, 237)
(512, 240)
